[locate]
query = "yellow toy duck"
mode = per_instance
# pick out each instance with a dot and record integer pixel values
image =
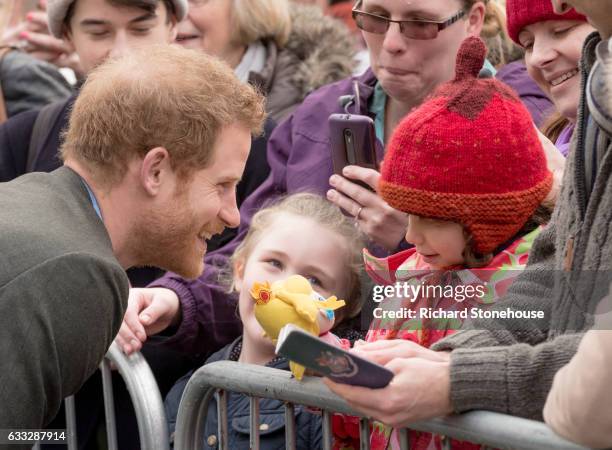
(293, 301)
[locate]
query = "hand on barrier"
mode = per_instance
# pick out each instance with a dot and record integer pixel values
(384, 225)
(149, 311)
(420, 389)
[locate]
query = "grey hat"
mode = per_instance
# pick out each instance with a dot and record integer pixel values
(57, 10)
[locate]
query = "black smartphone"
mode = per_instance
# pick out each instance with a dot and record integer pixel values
(341, 366)
(353, 142)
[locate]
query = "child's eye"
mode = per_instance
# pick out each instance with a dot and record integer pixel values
(275, 263)
(141, 30)
(314, 280)
(562, 31)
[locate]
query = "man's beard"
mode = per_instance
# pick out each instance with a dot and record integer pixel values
(167, 239)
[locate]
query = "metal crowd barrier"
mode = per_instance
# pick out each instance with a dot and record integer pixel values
(145, 395)
(487, 428)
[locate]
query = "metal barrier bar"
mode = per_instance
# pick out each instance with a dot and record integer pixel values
(147, 401)
(222, 420)
(71, 428)
(327, 430)
(403, 438)
(483, 427)
(254, 436)
(109, 405)
(364, 434)
(290, 435)
(446, 443)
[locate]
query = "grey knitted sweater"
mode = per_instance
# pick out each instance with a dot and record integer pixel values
(508, 365)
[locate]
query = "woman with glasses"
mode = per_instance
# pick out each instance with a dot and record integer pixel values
(272, 44)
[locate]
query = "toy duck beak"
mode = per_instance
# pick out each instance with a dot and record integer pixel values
(261, 292)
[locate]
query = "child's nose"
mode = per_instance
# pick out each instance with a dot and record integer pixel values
(413, 235)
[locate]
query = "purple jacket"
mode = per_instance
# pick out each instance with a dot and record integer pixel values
(300, 160)
(535, 100)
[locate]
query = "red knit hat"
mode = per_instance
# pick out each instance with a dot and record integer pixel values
(470, 154)
(521, 13)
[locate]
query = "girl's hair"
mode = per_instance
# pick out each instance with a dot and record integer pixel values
(540, 216)
(254, 20)
(501, 49)
(554, 125)
(326, 214)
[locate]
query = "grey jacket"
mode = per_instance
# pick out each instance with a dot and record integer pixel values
(508, 365)
(62, 294)
(319, 51)
(28, 83)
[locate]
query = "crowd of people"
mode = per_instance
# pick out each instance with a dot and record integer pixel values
(189, 157)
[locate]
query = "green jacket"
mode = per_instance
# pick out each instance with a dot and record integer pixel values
(62, 294)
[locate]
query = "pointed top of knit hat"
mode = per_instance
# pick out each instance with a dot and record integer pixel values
(470, 58)
(467, 94)
(469, 154)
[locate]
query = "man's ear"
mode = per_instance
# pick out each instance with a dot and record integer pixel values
(238, 274)
(155, 170)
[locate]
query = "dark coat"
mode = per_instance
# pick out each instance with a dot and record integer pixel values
(62, 294)
(271, 415)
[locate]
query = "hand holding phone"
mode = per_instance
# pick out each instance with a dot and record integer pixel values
(353, 142)
(333, 362)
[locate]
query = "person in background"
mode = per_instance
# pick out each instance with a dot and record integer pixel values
(579, 405)
(25, 82)
(276, 46)
(553, 45)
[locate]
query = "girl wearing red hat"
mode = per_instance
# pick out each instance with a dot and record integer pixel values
(468, 169)
(553, 46)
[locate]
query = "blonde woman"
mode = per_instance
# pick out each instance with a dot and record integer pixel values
(287, 50)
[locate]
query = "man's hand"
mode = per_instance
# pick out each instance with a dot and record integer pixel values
(384, 225)
(149, 311)
(420, 389)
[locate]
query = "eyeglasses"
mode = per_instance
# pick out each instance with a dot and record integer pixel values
(413, 29)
